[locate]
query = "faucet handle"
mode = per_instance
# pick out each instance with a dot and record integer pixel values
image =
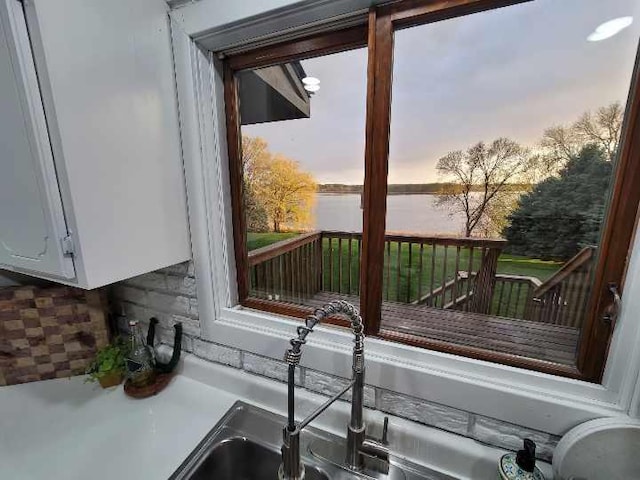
(375, 453)
(385, 427)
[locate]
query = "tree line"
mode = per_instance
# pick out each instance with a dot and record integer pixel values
(401, 188)
(568, 171)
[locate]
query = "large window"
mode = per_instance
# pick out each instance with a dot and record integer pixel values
(467, 178)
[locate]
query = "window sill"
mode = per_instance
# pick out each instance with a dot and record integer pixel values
(539, 401)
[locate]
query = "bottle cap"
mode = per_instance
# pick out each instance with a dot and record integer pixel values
(521, 465)
(526, 458)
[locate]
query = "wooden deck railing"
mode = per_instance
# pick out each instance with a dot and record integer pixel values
(443, 272)
(513, 296)
(561, 299)
(287, 270)
(341, 262)
(417, 269)
(432, 271)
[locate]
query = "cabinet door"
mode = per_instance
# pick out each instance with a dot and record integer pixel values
(32, 223)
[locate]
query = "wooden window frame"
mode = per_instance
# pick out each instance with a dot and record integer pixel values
(377, 35)
(309, 47)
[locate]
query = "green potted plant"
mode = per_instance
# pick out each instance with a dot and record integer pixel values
(108, 367)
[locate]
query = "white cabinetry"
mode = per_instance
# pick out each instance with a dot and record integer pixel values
(91, 180)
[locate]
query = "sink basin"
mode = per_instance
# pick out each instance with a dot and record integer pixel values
(239, 458)
(245, 445)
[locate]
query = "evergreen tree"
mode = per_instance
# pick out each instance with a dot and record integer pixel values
(563, 214)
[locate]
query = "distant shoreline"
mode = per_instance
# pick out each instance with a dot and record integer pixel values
(395, 188)
(388, 193)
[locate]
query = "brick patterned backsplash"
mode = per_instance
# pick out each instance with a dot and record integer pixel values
(51, 332)
(170, 296)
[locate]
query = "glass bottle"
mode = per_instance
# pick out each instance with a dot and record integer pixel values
(140, 359)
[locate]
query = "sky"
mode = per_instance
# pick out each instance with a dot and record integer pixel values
(508, 72)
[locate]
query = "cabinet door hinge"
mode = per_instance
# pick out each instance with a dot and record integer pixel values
(68, 247)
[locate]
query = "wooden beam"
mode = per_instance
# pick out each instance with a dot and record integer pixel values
(410, 13)
(316, 45)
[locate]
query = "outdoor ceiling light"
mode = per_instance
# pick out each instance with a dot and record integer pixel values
(312, 88)
(310, 81)
(610, 28)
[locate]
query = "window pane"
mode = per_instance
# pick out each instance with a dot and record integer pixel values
(303, 153)
(504, 133)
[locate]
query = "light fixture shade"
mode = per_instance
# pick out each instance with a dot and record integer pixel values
(610, 28)
(310, 81)
(312, 88)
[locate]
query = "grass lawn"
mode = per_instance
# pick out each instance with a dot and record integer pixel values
(259, 240)
(530, 267)
(406, 281)
(436, 265)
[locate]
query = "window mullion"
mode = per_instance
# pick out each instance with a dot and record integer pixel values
(376, 168)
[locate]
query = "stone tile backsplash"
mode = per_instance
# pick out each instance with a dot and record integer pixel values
(330, 385)
(217, 353)
(509, 436)
(170, 296)
(433, 414)
(268, 367)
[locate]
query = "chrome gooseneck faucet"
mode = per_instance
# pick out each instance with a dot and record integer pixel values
(358, 444)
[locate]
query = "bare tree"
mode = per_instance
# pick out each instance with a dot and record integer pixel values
(482, 179)
(559, 144)
(602, 128)
(563, 142)
(255, 158)
(255, 154)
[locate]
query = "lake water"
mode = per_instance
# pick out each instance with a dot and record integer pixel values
(405, 213)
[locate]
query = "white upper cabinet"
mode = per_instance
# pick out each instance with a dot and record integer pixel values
(89, 141)
(31, 213)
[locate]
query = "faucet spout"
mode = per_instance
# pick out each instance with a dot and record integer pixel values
(292, 468)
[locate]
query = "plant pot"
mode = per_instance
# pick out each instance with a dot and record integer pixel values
(110, 379)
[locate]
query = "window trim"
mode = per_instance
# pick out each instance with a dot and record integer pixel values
(531, 399)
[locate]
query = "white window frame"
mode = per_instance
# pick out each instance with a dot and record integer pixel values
(532, 399)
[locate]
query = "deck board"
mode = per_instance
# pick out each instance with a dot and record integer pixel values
(542, 341)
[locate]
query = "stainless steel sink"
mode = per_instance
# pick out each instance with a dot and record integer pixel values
(245, 445)
(238, 458)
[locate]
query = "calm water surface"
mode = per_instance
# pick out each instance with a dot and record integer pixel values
(405, 213)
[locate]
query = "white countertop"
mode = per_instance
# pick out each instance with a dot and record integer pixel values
(68, 430)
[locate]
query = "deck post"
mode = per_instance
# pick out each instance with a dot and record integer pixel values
(485, 281)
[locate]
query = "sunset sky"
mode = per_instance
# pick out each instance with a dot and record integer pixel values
(509, 72)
